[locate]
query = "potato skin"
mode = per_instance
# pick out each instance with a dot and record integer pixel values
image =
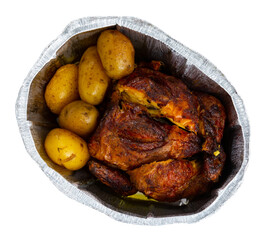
(92, 79)
(79, 117)
(62, 88)
(66, 149)
(116, 53)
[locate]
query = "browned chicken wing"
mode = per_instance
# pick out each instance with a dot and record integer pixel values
(211, 121)
(113, 178)
(127, 138)
(214, 163)
(163, 96)
(165, 180)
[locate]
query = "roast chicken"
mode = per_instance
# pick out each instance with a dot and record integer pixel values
(159, 138)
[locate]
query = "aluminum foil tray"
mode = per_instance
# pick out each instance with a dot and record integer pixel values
(35, 120)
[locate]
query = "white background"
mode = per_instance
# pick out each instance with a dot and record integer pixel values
(231, 34)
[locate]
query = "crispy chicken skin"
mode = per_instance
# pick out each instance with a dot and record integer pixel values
(211, 169)
(165, 180)
(211, 126)
(198, 186)
(163, 95)
(127, 138)
(211, 121)
(113, 178)
(214, 163)
(171, 180)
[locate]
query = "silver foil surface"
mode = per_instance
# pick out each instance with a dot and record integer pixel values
(35, 120)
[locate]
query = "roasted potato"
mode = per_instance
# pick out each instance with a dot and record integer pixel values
(79, 117)
(66, 149)
(116, 53)
(92, 79)
(62, 88)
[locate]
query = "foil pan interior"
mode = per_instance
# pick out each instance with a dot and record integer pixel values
(35, 120)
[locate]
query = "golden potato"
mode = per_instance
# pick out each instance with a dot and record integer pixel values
(116, 53)
(66, 149)
(92, 79)
(62, 88)
(79, 117)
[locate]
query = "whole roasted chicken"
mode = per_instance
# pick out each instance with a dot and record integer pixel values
(158, 137)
